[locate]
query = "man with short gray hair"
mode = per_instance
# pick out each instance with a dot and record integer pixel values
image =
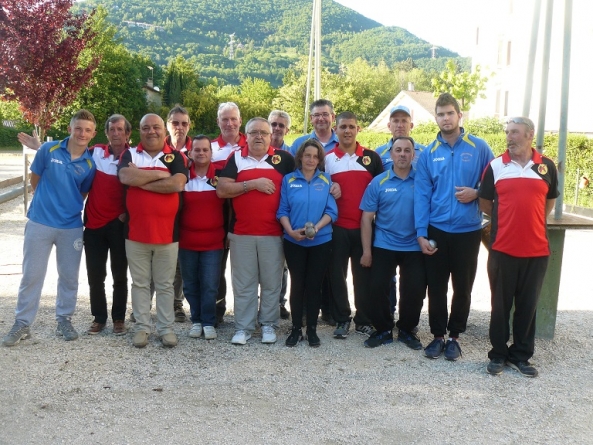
(252, 179)
(518, 190)
(230, 139)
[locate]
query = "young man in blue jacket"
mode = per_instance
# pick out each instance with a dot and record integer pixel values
(61, 176)
(446, 211)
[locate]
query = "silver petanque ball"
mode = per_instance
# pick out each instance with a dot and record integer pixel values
(310, 230)
(432, 243)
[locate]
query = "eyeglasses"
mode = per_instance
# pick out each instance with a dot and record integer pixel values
(177, 124)
(261, 133)
(318, 115)
(278, 124)
(522, 120)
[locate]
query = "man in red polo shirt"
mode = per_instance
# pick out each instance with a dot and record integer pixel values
(252, 179)
(178, 125)
(353, 167)
(518, 190)
(230, 140)
(155, 175)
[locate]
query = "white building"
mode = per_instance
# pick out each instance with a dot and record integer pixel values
(502, 39)
(420, 103)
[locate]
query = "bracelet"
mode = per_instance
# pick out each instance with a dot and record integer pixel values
(244, 186)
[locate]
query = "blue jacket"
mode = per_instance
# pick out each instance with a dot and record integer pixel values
(58, 200)
(303, 202)
(298, 141)
(439, 170)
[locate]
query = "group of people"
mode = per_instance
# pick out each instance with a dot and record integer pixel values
(174, 208)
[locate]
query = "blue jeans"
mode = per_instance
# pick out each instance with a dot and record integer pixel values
(200, 272)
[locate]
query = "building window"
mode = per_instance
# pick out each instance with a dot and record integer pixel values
(508, 53)
(506, 103)
(497, 104)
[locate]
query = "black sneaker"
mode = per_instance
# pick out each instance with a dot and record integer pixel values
(495, 366)
(409, 339)
(312, 337)
(296, 335)
(364, 329)
(180, 315)
(284, 314)
(379, 338)
(452, 350)
(525, 368)
(342, 329)
(435, 348)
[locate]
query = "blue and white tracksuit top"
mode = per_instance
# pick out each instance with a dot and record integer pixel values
(439, 170)
(303, 202)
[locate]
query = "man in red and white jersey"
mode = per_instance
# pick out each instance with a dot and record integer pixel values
(518, 190)
(155, 175)
(353, 167)
(230, 139)
(178, 125)
(252, 178)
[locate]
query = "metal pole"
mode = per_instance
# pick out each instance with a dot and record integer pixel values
(541, 121)
(563, 129)
(25, 180)
(318, 52)
(309, 67)
(531, 57)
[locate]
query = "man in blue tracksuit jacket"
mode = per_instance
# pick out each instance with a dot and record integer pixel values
(446, 211)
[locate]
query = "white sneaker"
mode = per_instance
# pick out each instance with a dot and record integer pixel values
(196, 330)
(268, 334)
(240, 338)
(209, 332)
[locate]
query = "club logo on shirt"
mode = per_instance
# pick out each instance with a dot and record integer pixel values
(276, 159)
(57, 161)
(366, 160)
(169, 158)
(542, 169)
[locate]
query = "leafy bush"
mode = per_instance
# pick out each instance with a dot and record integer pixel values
(484, 125)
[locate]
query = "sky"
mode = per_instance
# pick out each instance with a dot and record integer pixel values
(449, 24)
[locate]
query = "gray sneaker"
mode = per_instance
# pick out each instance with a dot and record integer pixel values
(66, 330)
(342, 329)
(17, 333)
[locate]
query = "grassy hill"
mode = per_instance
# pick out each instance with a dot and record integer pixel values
(269, 35)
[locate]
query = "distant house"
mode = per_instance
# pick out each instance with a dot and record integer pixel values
(420, 103)
(153, 94)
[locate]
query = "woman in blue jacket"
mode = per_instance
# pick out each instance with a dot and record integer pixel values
(306, 210)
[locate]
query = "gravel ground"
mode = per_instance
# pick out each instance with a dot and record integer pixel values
(102, 390)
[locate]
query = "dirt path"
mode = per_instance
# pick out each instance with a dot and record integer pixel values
(102, 390)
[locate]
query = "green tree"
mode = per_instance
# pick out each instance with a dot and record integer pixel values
(465, 87)
(180, 76)
(116, 85)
